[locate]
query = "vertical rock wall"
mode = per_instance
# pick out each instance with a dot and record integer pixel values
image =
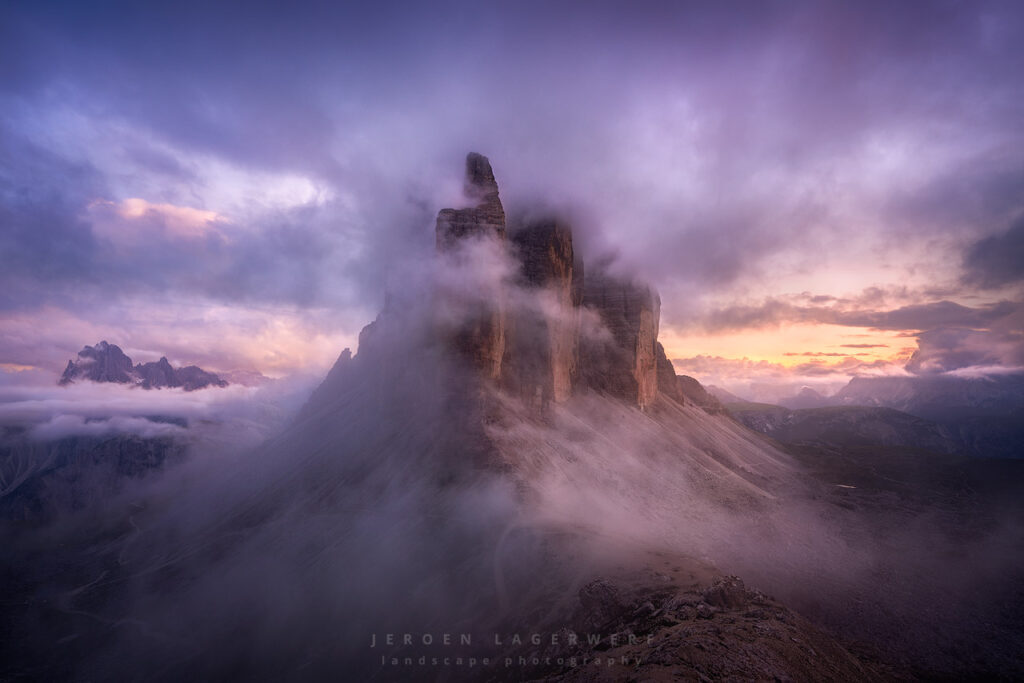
(624, 365)
(480, 337)
(543, 353)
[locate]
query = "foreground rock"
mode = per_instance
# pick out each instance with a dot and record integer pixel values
(656, 626)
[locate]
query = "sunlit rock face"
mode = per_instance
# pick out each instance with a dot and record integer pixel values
(625, 365)
(509, 306)
(525, 333)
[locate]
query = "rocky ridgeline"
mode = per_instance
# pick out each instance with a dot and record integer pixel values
(108, 363)
(535, 349)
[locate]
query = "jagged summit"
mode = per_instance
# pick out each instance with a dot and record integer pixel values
(527, 335)
(480, 180)
(106, 362)
(485, 218)
(101, 363)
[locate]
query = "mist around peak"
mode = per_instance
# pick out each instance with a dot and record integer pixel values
(508, 452)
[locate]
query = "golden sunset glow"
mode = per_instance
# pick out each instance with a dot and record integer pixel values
(795, 344)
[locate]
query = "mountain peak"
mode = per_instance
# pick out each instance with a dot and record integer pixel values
(532, 341)
(101, 363)
(106, 362)
(479, 176)
(486, 218)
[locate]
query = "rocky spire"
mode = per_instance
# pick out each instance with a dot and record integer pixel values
(485, 217)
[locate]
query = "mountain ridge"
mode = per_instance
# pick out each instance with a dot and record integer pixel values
(106, 362)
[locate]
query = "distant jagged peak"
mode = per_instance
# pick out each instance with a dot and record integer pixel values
(103, 362)
(106, 362)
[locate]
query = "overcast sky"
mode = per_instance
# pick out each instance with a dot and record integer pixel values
(818, 190)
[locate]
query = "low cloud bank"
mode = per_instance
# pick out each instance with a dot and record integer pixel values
(33, 400)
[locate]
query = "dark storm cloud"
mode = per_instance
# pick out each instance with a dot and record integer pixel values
(982, 193)
(999, 259)
(929, 316)
(42, 237)
(906, 318)
(951, 349)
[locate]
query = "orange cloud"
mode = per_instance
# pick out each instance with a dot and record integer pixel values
(130, 219)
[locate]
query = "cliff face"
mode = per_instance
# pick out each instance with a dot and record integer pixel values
(485, 217)
(480, 337)
(668, 381)
(625, 365)
(542, 359)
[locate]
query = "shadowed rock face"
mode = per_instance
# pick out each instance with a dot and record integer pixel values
(668, 383)
(40, 480)
(108, 363)
(542, 358)
(693, 391)
(159, 374)
(626, 365)
(101, 363)
(193, 377)
(480, 337)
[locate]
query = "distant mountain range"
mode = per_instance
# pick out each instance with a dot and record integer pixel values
(807, 398)
(977, 416)
(108, 363)
(938, 397)
(847, 425)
